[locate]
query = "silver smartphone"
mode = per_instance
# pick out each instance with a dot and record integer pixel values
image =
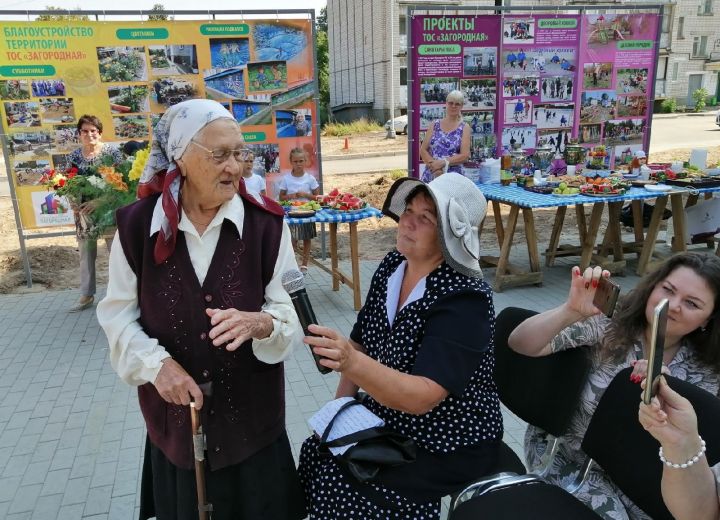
(657, 348)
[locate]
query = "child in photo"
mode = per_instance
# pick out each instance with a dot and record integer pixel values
(298, 185)
(254, 183)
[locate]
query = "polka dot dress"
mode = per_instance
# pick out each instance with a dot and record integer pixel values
(465, 418)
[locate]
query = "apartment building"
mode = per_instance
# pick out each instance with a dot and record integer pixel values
(367, 36)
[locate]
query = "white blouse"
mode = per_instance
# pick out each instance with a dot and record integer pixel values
(136, 357)
(394, 286)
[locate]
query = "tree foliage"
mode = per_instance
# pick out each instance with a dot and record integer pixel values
(321, 20)
(156, 13)
(323, 63)
(52, 17)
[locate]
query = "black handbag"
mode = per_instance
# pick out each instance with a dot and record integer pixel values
(376, 448)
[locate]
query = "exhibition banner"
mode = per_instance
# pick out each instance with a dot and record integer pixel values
(539, 76)
(618, 70)
(536, 80)
(128, 73)
(455, 53)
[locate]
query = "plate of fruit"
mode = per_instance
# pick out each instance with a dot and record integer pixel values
(603, 187)
(563, 190)
(605, 190)
(338, 202)
(301, 209)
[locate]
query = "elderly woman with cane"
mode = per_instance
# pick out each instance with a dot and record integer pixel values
(422, 349)
(195, 301)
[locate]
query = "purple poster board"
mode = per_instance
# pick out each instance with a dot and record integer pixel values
(539, 64)
(618, 69)
(455, 52)
(536, 79)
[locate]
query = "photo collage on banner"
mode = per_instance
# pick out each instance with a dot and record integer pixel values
(262, 71)
(618, 69)
(456, 53)
(536, 80)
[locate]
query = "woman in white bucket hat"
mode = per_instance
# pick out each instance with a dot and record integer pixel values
(422, 349)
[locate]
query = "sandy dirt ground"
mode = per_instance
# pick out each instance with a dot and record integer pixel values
(369, 142)
(54, 261)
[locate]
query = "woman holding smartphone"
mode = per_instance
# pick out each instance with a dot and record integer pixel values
(691, 283)
(693, 492)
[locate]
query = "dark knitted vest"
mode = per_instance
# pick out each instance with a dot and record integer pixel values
(246, 411)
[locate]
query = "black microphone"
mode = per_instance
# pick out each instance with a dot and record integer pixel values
(293, 282)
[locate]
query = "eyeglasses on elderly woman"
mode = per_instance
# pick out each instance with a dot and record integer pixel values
(221, 155)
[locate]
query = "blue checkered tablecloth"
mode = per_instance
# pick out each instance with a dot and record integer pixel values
(331, 217)
(528, 199)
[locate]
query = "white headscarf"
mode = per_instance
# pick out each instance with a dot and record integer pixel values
(171, 137)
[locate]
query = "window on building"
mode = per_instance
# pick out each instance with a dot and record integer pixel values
(699, 47)
(675, 68)
(705, 7)
(662, 67)
(403, 25)
(681, 27)
(403, 75)
(666, 19)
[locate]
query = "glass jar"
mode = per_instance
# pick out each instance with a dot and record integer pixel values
(574, 153)
(518, 158)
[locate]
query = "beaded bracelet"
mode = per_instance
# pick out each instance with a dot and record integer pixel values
(690, 461)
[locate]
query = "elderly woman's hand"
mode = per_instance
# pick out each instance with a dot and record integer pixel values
(336, 350)
(582, 290)
(235, 327)
(671, 419)
(176, 386)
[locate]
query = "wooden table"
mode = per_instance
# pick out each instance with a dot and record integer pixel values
(679, 243)
(520, 200)
(333, 219)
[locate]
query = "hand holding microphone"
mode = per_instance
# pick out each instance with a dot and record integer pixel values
(293, 282)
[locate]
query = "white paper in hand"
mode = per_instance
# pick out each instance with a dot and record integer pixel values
(353, 419)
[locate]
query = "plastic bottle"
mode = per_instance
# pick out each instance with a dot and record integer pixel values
(506, 160)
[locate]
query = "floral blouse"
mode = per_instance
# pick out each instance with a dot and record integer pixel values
(82, 163)
(598, 492)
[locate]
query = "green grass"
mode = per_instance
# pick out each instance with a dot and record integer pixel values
(359, 126)
(398, 174)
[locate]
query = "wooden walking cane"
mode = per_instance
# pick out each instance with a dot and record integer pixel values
(199, 446)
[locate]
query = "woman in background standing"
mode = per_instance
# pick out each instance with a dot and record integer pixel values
(446, 145)
(91, 154)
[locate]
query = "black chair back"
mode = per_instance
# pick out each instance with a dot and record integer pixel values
(616, 440)
(542, 391)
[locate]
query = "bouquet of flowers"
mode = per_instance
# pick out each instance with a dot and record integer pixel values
(104, 189)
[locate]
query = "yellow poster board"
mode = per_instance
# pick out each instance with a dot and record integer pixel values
(128, 73)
